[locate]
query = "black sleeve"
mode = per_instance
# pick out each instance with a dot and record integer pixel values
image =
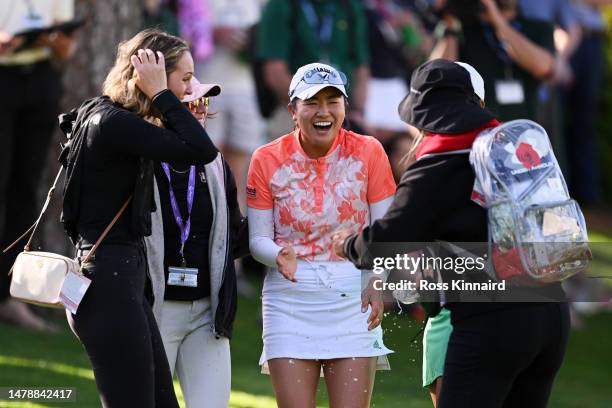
(239, 231)
(185, 140)
(412, 216)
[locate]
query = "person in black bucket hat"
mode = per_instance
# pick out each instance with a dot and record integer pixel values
(498, 353)
(445, 97)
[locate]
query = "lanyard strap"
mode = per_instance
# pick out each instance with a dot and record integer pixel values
(184, 226)
(497, 46)
(325, 28)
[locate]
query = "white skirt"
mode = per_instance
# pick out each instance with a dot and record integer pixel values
(319, 316)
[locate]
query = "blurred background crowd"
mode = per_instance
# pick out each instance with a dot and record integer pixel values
(545, 60)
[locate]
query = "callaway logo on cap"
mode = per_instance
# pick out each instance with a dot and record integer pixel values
(310, 79)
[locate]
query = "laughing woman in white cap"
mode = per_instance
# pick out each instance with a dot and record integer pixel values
(301, 188)
(198, 231)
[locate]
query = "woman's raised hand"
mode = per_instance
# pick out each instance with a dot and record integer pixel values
(286, 261)
(149, 72)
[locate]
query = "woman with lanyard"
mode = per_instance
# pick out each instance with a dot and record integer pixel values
(198, 231)
(499, 353)
(300, 189)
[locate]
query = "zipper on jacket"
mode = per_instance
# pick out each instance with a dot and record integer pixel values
(228, 234)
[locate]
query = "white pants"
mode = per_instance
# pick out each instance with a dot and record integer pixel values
(202, 361)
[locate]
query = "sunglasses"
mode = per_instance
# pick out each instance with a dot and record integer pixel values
(194, 105)
(317, 76)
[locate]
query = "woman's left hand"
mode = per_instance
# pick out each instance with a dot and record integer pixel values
(373, 297)
(338, 239)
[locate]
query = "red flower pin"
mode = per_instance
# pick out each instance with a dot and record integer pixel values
(527, 155)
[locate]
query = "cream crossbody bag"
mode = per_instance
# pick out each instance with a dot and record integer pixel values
(38, 276)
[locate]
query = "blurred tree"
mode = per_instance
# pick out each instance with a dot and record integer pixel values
(108, 23)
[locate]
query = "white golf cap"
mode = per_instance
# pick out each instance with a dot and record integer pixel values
(477, 81)
(310, 79)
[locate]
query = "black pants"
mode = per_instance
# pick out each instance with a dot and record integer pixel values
(116, 326)
(28, 116)
(505, 358)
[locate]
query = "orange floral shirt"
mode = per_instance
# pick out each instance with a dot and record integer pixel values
(313, 198)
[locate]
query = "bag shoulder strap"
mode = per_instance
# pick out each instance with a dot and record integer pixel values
(106, 231)
(34, 226)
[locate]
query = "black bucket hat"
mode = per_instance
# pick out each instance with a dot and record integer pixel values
(445, 98)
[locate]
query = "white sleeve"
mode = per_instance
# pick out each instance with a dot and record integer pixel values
(261, 236)
(379, 208)
(377, 211)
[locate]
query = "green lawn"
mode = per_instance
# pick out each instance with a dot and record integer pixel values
(35, 360)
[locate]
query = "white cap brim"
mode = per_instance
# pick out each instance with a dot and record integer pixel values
(475, 78)
(312, 90)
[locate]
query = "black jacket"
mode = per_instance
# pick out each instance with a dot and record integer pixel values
(234, 239)
(433, 203)
(238, 247)
(109, 158)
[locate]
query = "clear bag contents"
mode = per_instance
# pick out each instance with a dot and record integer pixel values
(537, 233)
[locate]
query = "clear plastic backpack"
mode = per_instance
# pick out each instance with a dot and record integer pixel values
(537, 233)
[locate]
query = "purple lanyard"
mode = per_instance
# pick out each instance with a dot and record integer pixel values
(184, 227)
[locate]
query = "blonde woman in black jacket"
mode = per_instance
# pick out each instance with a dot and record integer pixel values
(111, 158)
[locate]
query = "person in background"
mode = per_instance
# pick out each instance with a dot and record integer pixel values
(560, 14)
(398, 43)
(31, 79)
(293, 33)
(513, 54)
(161, 14)
(195, 315)
(238, 127)
(582, 102)
(188, 18)
(301, 188)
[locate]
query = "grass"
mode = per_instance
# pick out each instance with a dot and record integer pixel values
(30, 359)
